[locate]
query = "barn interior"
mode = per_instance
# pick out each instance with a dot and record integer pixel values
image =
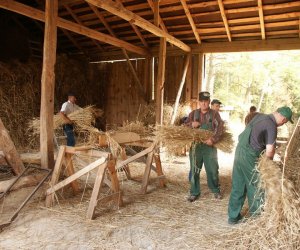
(139, 63)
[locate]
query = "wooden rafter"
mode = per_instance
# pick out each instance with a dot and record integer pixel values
(81, 23)
(261, 19)
(191, 21)
(161, 23)
(221, 6)
(65, 24)
(127, 15)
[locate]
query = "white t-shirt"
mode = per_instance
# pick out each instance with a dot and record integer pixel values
(69, 107)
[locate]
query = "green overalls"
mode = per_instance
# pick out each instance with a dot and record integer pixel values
(201, 153)
(245, 177)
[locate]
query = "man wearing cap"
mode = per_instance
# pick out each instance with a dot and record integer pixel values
(205, 118)
(66, 109)
(259, 135)
(215, 105)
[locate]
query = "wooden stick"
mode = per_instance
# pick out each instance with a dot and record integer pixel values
(70, 170)
(186, 65)
(159, 170)
(75, 176)
(114, 179)
(124, 157)
(147, 172)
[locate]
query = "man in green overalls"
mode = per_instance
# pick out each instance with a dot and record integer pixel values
(259, 135)
(205, 118)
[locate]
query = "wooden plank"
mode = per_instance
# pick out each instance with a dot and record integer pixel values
(191, 21)
(81, 172)
(189, 81)
(126, 167)
(221, 6)
(56, 174)
(71, 26)
(160, 81)
(48, 85)
(147, 173)
(9, 149)
(261, 19)
(96, 190)
(114, 180)
(127, 15)
(159, 170)
(186, 65)
(70, 171)
(200, 71)
(138, 155)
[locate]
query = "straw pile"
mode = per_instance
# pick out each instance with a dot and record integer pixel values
(83, 120)
(175, 137)
(136, 127)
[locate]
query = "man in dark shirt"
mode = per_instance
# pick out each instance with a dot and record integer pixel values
(205, 118)
(260, 134)
(251, 114)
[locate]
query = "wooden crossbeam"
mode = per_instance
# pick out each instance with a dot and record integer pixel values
(71, 26)
(221, 6)
(127, 15)
(261, 19)
(191, 21)
(160, 21)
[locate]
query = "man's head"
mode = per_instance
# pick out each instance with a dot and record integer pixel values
(215, 104)
(283, 115)
(71, 97)
(204, 100)
(252, 109)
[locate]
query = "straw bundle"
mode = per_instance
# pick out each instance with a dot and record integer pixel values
(174, 137)
(136, 127)
(83, 119)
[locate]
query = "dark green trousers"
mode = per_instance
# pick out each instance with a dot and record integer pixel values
(199, 154)
(245, 180)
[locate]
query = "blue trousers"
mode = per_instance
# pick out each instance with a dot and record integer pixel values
(68, 129)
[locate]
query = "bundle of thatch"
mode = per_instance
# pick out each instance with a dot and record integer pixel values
(278, 227)
(176, 137)
(137, 127)
(82, 118)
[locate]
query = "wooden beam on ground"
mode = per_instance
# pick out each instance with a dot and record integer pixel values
(71, 26)
(127, 15)
(261, 19)
(48, 85)
(221, 6)
(186, 65)
(9, 149)
(191, 21)
(160, 81)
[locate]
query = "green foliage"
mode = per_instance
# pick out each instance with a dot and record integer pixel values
(264, 79)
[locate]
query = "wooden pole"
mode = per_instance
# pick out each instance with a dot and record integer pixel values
(185, 69)
(48, 84)
(9, 150)
(201, 70)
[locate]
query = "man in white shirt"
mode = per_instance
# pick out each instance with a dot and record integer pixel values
(66, 109)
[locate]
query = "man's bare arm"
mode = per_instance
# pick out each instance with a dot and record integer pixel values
(66, 118)
(270, 151)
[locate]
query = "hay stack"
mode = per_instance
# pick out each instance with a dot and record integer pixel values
(176, 137)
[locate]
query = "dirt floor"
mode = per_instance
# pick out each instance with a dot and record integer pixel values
(161, 219)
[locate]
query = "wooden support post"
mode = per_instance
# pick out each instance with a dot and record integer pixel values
(48, 84)
(56, 174)
(186, 65)
(188, 81)
(159, 170)
(96, 191)
(147, 172)
(10, 152)
(70, 170)
(160, 81)
(115, 186)
(147, 79)
(126, 167)
(201, 71)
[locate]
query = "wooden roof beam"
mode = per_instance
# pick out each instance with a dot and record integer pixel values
(161, 23)
(261, 19)
(221, 6)
(191, 21)
(71, 26)
(127, 15)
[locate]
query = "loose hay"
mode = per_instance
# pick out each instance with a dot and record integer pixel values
(175, 137)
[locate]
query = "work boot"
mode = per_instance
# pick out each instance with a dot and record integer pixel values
(192, 198)
(218, 196)
(238, 220)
